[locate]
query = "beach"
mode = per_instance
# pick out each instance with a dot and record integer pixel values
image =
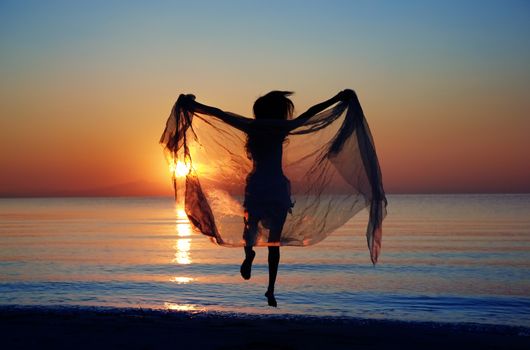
(129, 328)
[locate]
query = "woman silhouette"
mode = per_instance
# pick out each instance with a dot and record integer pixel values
(267, 200)
(267, 191)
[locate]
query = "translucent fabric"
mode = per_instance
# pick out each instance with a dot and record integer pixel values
(328, 160)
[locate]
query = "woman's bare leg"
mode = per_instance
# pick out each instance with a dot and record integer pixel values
(249, 234)
(274, 257)
(274, 261)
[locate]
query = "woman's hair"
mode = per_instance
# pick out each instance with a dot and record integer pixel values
(274, 105)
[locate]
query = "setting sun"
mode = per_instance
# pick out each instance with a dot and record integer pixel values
(180, 169)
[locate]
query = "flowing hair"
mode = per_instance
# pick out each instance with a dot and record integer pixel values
(275, 105)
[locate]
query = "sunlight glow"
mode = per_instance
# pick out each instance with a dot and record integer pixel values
(182, 279)
(183, 243)
(182, 251)
(183, 224)
(181, 214)
(179, 169)
(183, 230)
(183, 307)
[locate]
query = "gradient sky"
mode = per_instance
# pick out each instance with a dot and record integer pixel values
(86, 87)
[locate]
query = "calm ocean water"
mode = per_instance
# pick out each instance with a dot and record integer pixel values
(449, 258)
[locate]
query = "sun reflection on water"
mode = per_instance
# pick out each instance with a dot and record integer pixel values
(182, 279)
(183, 243)
(183, 307)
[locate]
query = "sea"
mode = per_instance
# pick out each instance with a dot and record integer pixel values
(462, 258)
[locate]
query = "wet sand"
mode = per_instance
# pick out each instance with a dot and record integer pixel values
(97, 328)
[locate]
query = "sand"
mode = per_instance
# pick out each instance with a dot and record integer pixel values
(114, 328)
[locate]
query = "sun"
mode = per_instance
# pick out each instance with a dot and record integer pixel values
(180, 169)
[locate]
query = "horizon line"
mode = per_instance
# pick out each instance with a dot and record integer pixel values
(30, 196)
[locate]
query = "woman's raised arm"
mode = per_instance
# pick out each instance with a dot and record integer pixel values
(238, 122)
(344, 95)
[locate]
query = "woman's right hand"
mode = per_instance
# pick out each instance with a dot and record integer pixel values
(187, 97)
(346, 94)
(186, 100)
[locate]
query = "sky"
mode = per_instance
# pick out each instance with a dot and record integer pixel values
(86, 86)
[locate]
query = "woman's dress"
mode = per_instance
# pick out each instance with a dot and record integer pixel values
(328, 166)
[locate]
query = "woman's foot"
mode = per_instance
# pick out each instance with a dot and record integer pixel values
(271, 300)
(246, 266)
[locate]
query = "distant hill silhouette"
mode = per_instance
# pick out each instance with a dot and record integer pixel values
(128, 189)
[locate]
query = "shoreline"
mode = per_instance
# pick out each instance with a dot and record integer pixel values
(81, 327)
